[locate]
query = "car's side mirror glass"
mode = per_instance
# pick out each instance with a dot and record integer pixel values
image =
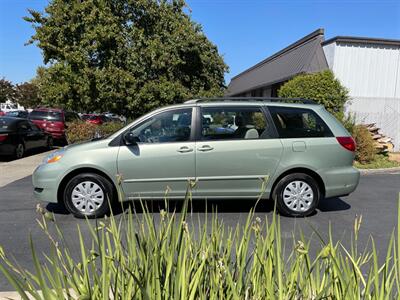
(130, 139)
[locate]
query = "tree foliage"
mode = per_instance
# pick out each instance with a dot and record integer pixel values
(27, 94)
(123, 54)
(321, 87)
(7, 91)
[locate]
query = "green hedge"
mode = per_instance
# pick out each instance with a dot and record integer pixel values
(83, 131)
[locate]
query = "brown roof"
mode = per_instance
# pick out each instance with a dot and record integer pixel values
(304, 56)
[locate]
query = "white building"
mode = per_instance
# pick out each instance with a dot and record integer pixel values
(368, 67)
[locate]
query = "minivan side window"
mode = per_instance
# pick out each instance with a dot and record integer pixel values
(225, 123)
(292, 122)
(166, 127)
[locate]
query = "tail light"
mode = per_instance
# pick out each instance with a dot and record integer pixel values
(3, 137)
(347, 142)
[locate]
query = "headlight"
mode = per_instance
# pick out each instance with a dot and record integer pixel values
(54, 157)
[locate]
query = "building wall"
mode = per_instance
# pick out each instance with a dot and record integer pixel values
(372, 75)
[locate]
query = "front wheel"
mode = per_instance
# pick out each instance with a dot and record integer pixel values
(296, 195)
(88, 195)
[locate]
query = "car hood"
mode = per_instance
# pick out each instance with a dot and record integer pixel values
(87, 145)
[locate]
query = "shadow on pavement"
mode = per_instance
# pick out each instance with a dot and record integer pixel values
(201, 206)
(333, 204)
(57, 209)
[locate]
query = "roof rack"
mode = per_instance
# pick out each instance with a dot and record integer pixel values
(249, 99)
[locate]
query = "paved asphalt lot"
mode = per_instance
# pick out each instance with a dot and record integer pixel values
(375, 199)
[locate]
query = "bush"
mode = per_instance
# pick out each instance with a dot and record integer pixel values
(321, 87)
(133, 258)
(366, 150)
(83, 131)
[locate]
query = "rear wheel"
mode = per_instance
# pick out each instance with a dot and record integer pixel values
(19, 150)
(296, 195)
(88, 195)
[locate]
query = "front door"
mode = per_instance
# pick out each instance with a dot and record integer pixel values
(163, 161)
(237, 150)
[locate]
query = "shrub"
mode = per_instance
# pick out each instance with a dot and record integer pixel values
(133, 258)
(321, 87)
(83, 131)
(366, 150)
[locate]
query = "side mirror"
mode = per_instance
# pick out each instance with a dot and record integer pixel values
(130, 139)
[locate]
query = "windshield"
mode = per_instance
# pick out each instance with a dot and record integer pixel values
(46, 115)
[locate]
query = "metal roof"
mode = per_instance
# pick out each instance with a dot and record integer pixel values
(362, 40)
(304, 56)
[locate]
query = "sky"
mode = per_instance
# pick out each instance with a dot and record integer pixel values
(245, 31)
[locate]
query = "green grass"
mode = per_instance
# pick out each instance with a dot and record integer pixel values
(133, 258)
(380, 162)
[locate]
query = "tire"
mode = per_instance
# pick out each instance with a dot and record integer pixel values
(296, 205)
(50, 143)
(78, 202)
(19, 151)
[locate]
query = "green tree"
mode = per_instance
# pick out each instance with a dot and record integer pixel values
(321, 87)
(7, 90)
(27, 94)
(131, 55)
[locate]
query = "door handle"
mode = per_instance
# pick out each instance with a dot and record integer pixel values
(184, 149)
(205, 148)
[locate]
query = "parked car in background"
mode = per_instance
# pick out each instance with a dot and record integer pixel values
(53, 120)
(292, 151)
(2, 113)
(20, 135)
(18, 114)
(115, 117)
(10, 106)
(98, 119)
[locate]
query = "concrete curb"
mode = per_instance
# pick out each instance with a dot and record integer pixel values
(395, 170)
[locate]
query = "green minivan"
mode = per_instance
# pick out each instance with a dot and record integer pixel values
(228, 146)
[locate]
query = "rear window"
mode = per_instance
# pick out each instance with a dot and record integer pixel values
(292, 122)
(46, 115)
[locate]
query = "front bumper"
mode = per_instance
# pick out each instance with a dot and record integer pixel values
(45, 180)
(340, 181)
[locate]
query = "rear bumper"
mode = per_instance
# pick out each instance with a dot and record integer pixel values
(340, 181)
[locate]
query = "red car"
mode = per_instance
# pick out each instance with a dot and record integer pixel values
(96, 119)
(52, 120)
(2, 113)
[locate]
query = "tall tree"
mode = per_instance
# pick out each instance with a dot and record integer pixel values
(7, 91)
(124, 54)
(27, 94)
